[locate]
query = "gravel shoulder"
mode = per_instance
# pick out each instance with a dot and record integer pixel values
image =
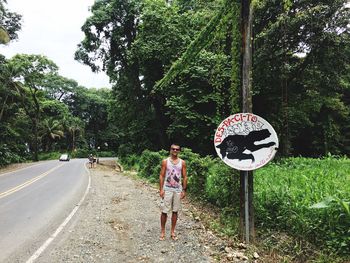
(119, 221)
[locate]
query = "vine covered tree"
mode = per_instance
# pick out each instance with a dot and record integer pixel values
(300, 61)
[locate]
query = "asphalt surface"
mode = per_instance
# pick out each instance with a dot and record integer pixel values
(34, 201)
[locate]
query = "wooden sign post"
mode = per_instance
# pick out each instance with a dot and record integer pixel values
(246, 178)
(245, 142)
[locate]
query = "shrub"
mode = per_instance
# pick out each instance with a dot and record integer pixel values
(8, 155)
(125, 150)
(306, 198)
(222, 185)
(49, 156)
(208, 178)
(149, 165)
(105, 154)
(197, 171)
(82, 153)
(130, 162)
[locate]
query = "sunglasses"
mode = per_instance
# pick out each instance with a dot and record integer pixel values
(175, 149)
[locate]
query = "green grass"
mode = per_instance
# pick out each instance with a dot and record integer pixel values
(308, 199)
(301, 204)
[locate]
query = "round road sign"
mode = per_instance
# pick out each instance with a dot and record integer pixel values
(245, 141)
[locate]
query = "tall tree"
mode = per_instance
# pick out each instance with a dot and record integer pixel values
(109, 34)
(58, 87)
(91, 107)
(51, 131)
(163, 31)
(13, 127)
(299, 64)
(299, 60)
(29, 73)
(74, 130)
(188, 106)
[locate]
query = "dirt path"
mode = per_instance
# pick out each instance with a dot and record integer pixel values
(119, 222)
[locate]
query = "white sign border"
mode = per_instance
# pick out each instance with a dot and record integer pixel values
(247, 117)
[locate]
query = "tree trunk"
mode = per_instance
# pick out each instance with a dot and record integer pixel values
(36, 141)
(3, 107)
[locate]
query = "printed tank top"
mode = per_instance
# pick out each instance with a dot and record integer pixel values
(173, 176)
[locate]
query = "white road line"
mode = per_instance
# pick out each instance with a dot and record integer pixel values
(60, 228)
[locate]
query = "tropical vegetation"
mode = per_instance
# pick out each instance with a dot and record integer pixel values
(175, 70)
(301, 204)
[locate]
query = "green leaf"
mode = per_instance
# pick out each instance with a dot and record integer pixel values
(323, 204)
(345, 205)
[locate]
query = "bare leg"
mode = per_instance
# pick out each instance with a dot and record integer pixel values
(173, 225)
(163, 218)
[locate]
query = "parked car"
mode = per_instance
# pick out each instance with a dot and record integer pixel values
(64, 157)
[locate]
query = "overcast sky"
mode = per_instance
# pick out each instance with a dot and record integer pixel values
(52, 28)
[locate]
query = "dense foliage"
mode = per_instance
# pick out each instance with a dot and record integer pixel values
(137, 54)
(42, 111)
(208, 179)
(307, 198)
(43, 114)
(300, 70)
(175, 70)
(300, 74)
(56, 125)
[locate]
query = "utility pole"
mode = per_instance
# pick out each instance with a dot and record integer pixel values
(246, 178)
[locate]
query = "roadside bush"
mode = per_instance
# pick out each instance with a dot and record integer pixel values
(306, 198)
(8, 156)
(222, 185)
(208, 178)
(130, 162)
(149, 165)
(82, 153)
(125, 150)
(197, 171)
(49, 156)
(105, 154)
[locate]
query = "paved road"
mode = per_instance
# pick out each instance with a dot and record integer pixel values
(34, 201)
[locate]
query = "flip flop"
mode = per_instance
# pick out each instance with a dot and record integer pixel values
(162, 238)
(173, 237)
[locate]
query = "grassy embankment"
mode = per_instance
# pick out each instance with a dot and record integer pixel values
(301, 204)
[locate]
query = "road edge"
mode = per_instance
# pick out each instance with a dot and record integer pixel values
(42, 248)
